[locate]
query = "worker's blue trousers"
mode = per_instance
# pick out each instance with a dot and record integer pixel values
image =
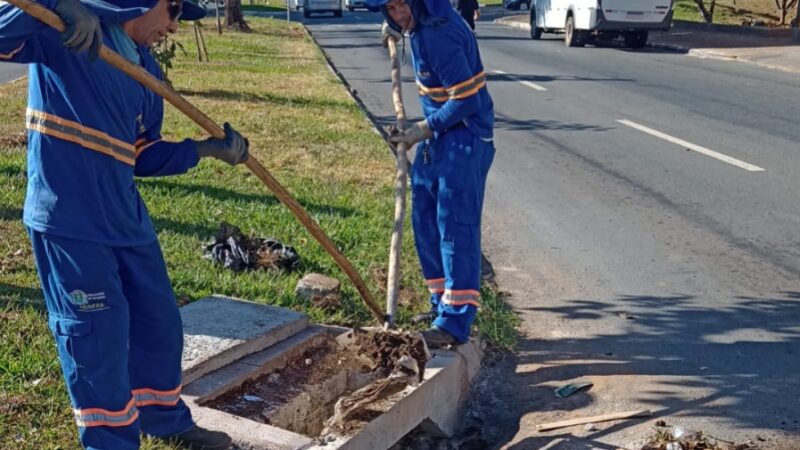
(448, 180)
(119, 338)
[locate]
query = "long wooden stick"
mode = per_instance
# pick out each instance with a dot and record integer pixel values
(593, 419)
(164, 90)
(400, 181)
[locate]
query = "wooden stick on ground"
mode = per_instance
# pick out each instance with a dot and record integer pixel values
(164, 90)
(400, 182)
(593, 419)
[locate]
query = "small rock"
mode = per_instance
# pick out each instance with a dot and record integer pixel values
(316, 288)
(309, 361)
(253, 398)
(273, 378)
(590, 427)
(36, 382)
(661, 423)
(704, 368)
(626, 316)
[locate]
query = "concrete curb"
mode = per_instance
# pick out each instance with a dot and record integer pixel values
(733, 29)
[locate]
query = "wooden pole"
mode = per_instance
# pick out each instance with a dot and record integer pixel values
(159, 87)
(400, 182)
(593, 419)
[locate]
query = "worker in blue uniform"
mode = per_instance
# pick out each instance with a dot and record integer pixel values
(91, 130)
(453, 157)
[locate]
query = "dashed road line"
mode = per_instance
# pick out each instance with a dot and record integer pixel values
(529, 84)
(697, 148)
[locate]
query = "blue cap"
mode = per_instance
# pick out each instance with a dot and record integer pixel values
(124, 10)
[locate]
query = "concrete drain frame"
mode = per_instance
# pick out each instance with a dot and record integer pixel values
(256, 356)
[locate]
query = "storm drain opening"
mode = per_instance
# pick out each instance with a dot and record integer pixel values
(334, 387)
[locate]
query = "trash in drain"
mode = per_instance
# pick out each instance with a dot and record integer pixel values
(333, 388)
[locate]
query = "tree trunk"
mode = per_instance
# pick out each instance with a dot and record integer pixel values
(234, 17)
(783, 9)
(707, 13)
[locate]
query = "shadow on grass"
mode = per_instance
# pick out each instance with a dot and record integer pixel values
(21, 296)
(219, 94)
(226, 195)
(10, 213)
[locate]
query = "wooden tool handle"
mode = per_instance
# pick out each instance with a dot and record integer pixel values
(400, 182)
(161, 88)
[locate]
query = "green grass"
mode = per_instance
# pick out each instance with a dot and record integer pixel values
(725, 13)
(303, 126)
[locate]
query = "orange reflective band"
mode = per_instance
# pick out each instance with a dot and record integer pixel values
(98, 417)
(148, 397)
(455, 92)
(12, 53)
(144, 146)
(435, 286)
(460, 298)
(84, 136)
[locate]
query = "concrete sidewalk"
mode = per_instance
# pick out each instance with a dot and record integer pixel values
(773, 52)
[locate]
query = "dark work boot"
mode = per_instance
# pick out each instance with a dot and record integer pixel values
(438, 338)
(198, 438)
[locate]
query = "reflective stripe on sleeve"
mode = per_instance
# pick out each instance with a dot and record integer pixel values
(12, 53)
(82, 135)
(456, 92)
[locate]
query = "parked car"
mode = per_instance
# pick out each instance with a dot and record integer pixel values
(585, 20)
(515, 5)
(351, 5)
(322, 6)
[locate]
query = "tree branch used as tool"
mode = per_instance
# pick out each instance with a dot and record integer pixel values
(400, 182)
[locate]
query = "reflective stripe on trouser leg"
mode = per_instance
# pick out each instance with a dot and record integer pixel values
(156, 341)
(88, 316)
(424, 184)
(463, 166)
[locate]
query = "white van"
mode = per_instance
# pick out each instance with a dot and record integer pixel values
(584, 20)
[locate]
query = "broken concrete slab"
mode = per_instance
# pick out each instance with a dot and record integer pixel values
(220, 330)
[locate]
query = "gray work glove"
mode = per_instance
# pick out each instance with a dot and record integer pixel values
(389, 32)
(232, 149)
(418, 131)
(82, 32)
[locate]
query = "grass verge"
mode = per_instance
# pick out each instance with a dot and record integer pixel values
(274, 87)
(728, 14)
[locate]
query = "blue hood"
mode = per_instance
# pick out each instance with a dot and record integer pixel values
(421, 9)
(123, 10)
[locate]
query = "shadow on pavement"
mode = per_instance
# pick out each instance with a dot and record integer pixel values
(742, 355)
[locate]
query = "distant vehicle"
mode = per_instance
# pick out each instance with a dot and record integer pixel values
(322, 6)
(294, 4)
(353, 4)
(515, 5)
(600, 20)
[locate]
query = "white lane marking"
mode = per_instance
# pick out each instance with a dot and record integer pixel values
(529, 84)
(699, 149)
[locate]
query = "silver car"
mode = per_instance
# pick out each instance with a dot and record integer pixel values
(322, 6)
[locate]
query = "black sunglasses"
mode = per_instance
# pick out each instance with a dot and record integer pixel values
(175, 9)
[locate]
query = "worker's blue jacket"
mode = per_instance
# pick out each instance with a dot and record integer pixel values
(448, 70)
(91, 129)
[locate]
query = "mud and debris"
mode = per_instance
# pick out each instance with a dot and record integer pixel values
(363, 371)
(236, 251)
(678, 438)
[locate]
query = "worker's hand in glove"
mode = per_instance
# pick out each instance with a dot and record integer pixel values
(232, 149)
(418, 131)
(388, 32)
(82, 30)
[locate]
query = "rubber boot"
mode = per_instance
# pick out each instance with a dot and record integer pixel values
(438, 338)
(198, 438)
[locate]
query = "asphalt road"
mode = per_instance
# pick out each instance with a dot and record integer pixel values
(10, 71)
(642, 217)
